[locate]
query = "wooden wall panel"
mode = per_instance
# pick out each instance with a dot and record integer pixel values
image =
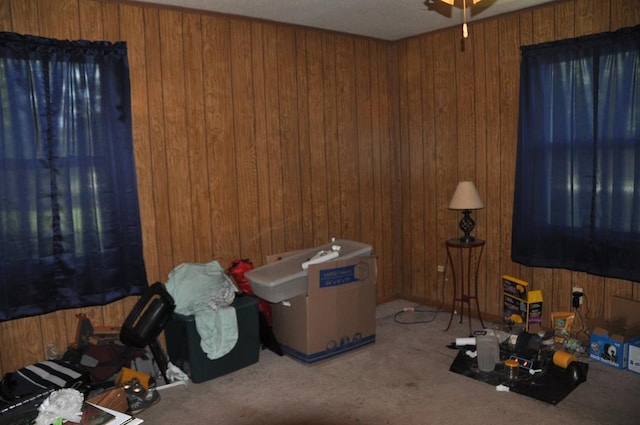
(250, 138)
(491, 196)
(386, 166)
(244, 117)
(316, 150)
(482, 141)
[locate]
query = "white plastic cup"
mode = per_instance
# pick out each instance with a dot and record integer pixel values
(488, 352)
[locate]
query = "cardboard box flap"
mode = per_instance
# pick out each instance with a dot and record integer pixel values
(628, 308)
(624, 322)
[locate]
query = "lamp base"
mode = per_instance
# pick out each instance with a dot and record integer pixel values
(466, 225)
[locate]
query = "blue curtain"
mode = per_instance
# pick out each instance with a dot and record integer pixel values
(70, 231)
(577, 185)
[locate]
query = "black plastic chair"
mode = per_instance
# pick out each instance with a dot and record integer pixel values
(147, 320)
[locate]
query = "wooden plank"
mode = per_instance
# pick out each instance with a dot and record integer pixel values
(21, 343)
(413, 201)
(364, 120)
(404, 171)
(199, 167)
(24, 16)
(592, 17)
(331, 133)
(274, 147)
(509, 83)
(488, 284)
(220, 137)
(244, 118)
(306, 182)
(5, 25)
(175, 131)
(564, 24)
(134, 33)
(434, 249)
(290, 166)
(262, 149)
(91, 21)
(543, 25)
(346, 166)
(444, 44)
(51, 25)
(317, 139)
(110, 21)
(387, 165)
(156, 134)
(624, 13)
(492, 195)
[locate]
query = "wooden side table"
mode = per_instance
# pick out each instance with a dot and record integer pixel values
(464, 259)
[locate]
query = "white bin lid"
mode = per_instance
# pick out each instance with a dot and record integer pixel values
(285, 278)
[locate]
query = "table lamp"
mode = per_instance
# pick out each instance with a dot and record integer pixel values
(466, 198)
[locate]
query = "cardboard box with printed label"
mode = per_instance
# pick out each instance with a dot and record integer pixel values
(615, 341)
(334, 312)
(633, 355)
(337, 314)
(521, 305)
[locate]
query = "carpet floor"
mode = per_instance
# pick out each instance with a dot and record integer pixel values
(403, 378)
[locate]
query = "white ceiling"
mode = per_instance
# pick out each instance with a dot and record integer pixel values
(383, 19)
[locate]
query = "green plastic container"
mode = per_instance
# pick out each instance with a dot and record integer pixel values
(183, 343)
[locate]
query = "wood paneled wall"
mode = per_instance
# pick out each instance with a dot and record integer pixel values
(458, 121)
(250, 138)
(253, 138)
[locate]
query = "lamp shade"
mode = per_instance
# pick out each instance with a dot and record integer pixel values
(466, 197)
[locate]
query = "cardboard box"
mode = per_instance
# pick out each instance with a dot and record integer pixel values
(612, 341)
(514, 287)
(520, 304)
(633, 355)
(336, 315)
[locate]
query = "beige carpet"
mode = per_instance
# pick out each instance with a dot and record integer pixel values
(403, 378)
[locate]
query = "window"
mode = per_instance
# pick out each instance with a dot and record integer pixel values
(577, 189)
(69, 220)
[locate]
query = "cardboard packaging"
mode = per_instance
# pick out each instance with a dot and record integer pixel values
(633, 355)
(336, 315)
(616, 342)
(521, 305)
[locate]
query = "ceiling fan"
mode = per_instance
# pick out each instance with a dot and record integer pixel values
(465, 32)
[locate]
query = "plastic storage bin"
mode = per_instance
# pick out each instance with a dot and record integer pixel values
(183, 343)
(285, 278)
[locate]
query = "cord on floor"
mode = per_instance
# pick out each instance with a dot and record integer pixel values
(412, 311)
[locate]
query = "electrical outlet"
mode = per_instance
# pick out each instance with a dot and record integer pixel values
(577, 296)
(440, 268)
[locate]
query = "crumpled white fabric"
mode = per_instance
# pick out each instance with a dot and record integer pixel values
(205, 291)
(175, 374)
(65, 403)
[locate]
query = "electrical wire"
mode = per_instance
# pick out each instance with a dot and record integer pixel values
(412, 310)
(584, 329)
(409, 310)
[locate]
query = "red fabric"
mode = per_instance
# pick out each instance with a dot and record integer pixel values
(237, 269)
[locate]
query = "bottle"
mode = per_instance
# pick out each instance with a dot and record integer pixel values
(52, 351)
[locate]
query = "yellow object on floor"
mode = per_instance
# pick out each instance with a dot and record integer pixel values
(127, 375)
